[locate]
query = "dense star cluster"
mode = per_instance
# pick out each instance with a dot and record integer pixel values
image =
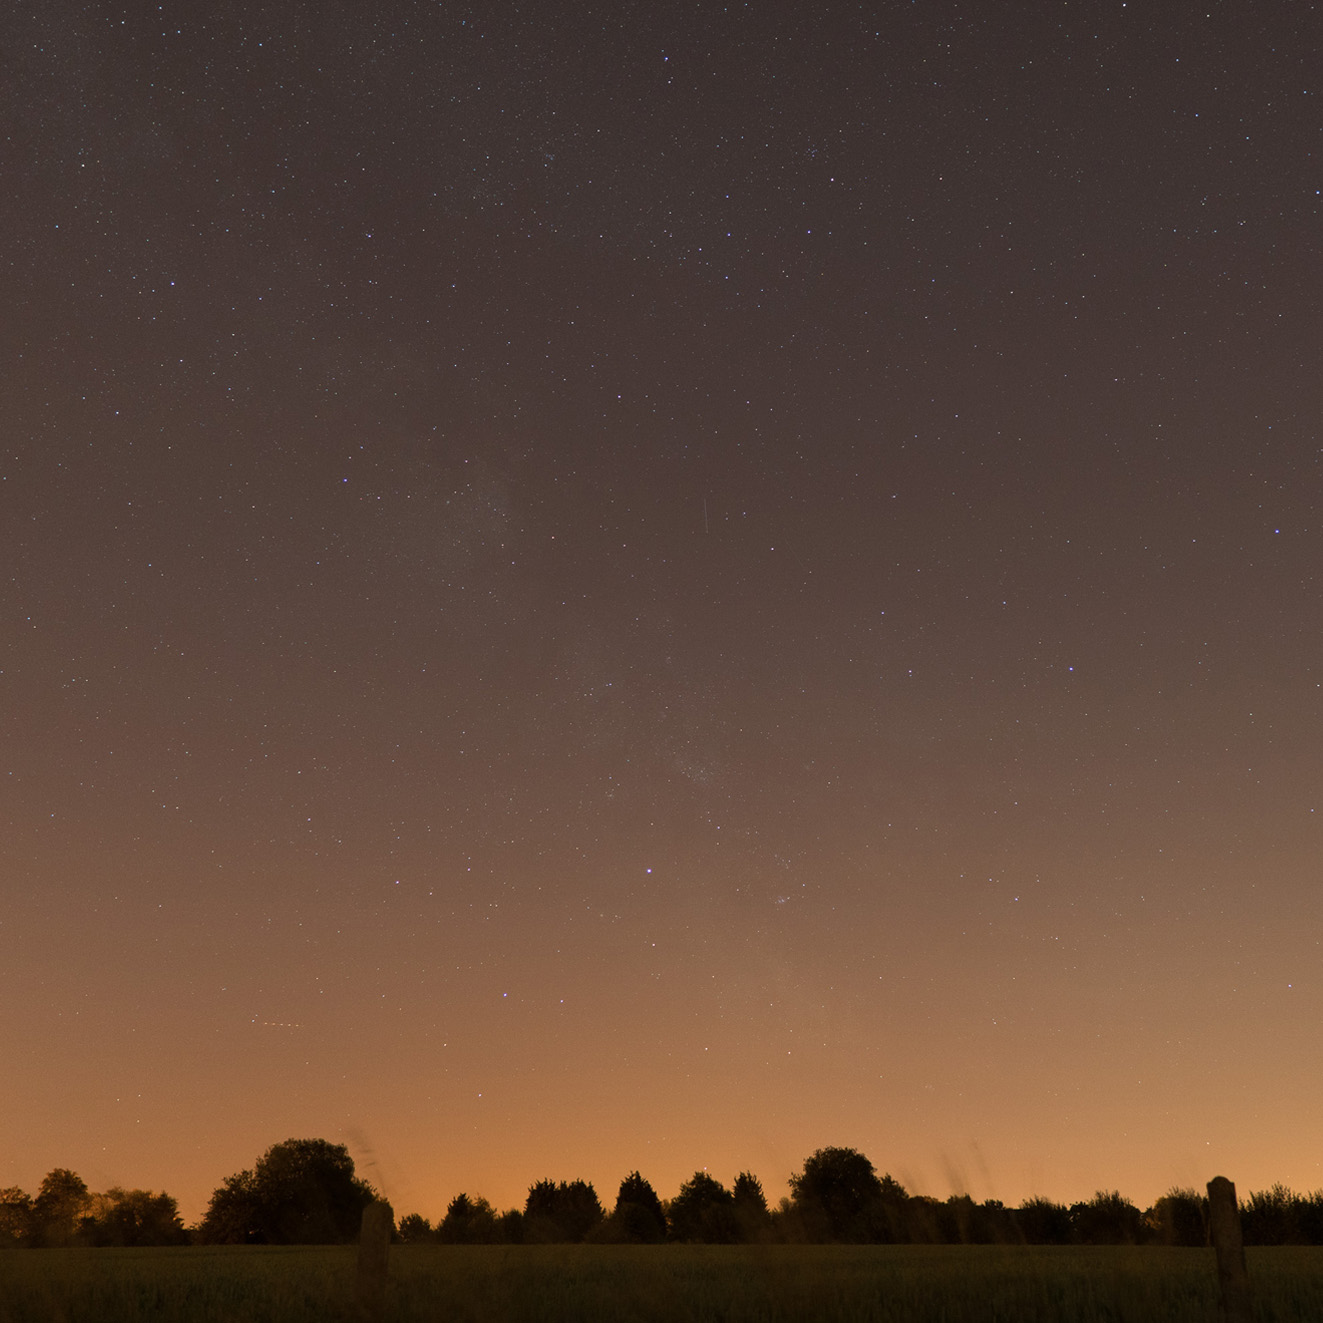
(611, 585)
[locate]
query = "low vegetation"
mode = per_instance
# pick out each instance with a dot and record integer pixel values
(653, 1284)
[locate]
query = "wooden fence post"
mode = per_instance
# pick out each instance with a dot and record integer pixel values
(1224, 1231)
(373, 1251)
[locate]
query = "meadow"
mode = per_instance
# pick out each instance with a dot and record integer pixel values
(652, 1284)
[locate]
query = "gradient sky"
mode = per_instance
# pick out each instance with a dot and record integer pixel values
(608, 586)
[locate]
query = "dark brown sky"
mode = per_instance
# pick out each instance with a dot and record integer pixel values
(591, 588)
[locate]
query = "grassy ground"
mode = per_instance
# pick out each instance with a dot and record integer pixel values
(664, 1284)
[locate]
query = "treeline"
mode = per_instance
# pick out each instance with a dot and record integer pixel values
(65, 1213)
(838, 1197)
(305, 1191)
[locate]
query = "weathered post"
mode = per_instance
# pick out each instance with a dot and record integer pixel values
(373, 1251)
(1224, 1231)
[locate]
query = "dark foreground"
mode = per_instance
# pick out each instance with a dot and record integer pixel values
(616, 1284)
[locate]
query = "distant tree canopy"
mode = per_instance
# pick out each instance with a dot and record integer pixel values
(65, 1213)
(1107, 1219)
(564, 1212)
(134, 1219)
(704, 1210)
(301, 1192)
(305, 1191)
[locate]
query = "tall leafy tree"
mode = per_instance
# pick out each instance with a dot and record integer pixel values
(301, 1192)
(841, 1196)
(564, 1212)
(638, 1212)
(750, 1203)
(16, 1220)
(704, 1210)
(468, 1222)
(59, 1208)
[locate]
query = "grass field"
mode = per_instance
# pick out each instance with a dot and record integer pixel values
(618, 1284)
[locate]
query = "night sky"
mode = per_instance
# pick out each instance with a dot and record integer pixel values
(608, 586)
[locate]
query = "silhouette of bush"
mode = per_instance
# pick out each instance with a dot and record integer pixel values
(1272, 1217)
(560, 1213)
(1107, 1219)
(1180, 1217)
(1042, 1222)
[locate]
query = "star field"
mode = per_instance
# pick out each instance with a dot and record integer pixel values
(604, 588)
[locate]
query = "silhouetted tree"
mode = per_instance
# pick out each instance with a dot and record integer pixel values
(1107, 1219)
(133, 1218)
(750, 1207)
(1310, 1213)
(59, 1208)
(1271, 1217)
(302, 1192)
(1180, 1217)
(415, 1229)
(841, 1198)
(704, 1210)
(638, 1214)
(1041, 1222)
(16, 1219)
(964, 1222)
(233, 1215)
(468, 1222)
(564, 1212)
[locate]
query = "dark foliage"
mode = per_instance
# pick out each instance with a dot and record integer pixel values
(961, 1221)
(415, 1229)
(638, 1212)
(306, 1192)
(750, 1207)
(468, 1222)
(1279, 1216)
(1041, 1222)
(839, 1196)
(133, 1218)
(16, 1220)
(704, 1210)
(1107, 1219)
(1180, 1217)
(302, 1192)
(561, 1213)
(59, 1208)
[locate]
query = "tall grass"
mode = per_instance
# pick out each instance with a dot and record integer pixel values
(653, 1284)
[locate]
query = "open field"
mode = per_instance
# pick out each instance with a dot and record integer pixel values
(711, 1284)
